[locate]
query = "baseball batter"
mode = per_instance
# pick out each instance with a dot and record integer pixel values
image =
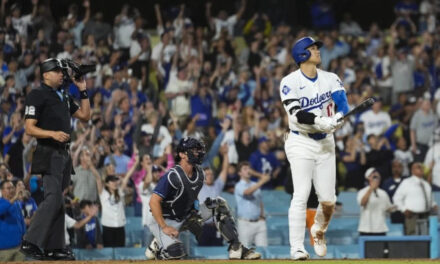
(314, 100)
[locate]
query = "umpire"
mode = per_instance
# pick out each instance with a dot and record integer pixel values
(48, 115)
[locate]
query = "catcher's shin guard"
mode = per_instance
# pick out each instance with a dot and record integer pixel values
(223, 219)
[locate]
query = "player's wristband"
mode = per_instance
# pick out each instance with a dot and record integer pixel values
(83, 94)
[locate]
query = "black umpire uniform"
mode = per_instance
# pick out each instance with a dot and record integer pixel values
(52, 108)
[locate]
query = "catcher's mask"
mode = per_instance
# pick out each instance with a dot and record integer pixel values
(193, 148)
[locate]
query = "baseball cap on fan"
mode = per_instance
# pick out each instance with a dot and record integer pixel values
(262, 139)
(369, 172)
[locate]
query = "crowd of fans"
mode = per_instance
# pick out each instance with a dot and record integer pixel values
(219, 81)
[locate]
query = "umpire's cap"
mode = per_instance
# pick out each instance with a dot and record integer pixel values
(50, 65)
(299, 51)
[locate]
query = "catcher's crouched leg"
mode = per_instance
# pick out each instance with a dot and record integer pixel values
(226, 226)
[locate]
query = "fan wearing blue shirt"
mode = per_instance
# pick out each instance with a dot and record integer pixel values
(264, 161)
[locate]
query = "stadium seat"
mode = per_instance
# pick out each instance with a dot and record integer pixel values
(230, 198)
(347, 251)
(129, 253)
(349, 203)
(437, 197)
(133, 238)
(129, 211)
(209, 252)
(275, 237)
(94, 254)
(338, 223)
(394, 229)
(133, 223)
(278, 252)
(277, 222)
(341, 237)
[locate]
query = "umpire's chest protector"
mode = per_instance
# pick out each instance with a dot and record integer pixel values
(187, 192)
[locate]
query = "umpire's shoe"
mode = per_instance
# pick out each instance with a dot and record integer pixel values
(59, 254)
(31, 251)
(319, 239)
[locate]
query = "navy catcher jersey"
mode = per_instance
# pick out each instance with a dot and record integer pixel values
(179, 192)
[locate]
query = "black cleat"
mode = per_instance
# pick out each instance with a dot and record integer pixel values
(31, 251)
(59, 254)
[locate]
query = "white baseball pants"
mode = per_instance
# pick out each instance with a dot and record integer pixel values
(310, 160)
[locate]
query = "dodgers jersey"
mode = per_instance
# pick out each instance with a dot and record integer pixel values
(311, 95)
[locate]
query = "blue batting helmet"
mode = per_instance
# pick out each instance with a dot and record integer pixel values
(300, 53)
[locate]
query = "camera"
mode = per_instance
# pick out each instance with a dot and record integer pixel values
(78, 70)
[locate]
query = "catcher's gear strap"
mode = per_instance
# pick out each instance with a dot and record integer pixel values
(174, 251)
(223, 219)
(193, 224)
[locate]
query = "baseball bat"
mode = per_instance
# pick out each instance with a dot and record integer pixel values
(360, 108)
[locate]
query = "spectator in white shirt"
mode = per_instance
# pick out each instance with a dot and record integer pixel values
(19, 22)
(163, 137)
(222, 21)
(123, 29)
(432, 161)
(162, 55)
(375, 120)
(423, 124)
(375, 203)
(414, 198)
(145, 190)
(113, 219)
(404, 155)
(179, 89)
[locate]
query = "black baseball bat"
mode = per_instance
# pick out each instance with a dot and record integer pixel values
(360, 108)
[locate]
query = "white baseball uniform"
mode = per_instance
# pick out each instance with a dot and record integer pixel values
(311, 153)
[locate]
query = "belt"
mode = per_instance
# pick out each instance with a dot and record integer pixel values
(65, 146)
(249, 220)
(315, 136)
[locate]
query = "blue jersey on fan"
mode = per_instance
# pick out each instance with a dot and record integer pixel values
(264, 163)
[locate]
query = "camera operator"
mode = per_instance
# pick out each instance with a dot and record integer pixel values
(48, 115)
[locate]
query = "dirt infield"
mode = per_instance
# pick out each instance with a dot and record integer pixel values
(277, 261)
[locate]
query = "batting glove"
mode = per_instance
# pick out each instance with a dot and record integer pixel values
(325, 124)
(338, 118)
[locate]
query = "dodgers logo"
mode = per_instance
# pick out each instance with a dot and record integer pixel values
(316, 101)
(285, 90)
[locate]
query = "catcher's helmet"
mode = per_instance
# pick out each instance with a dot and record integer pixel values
(192, 147)
(299, 51)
